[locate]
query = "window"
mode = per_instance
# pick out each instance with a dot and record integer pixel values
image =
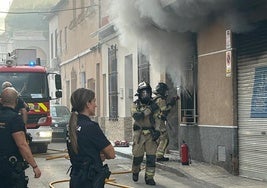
(82, 6)
(91, 84)
(73, 80)
(56, 38)
(60, 42)
(66, 38)
(188, 88)
(68, 93)
(52, 45)
(83, 79)
(29, 85)
(143, 68)
(74, 8)
(112, 80)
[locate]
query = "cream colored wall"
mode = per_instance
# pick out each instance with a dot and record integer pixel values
(80, 40)
(215, 90)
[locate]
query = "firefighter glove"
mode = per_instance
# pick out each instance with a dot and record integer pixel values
(138, 116)
(163, 117)
(155, 134)
(153, 107)
(173, 101)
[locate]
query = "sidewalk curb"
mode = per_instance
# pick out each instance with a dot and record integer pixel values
(159, 165)
(178, 171)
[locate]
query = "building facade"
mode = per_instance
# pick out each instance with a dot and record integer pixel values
(221, 114)
(231, 123)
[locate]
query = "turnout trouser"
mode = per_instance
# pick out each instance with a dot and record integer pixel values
(144, 144)
(163, 144)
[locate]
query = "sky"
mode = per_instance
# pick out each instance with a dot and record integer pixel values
(4, 4)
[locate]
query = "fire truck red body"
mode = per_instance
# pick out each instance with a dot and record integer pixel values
(31, 81)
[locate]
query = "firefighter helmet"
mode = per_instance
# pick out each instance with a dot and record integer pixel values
(144, 92)
(161, 89)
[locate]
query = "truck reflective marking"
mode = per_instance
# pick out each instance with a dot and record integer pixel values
(43, 107)
(38, 107)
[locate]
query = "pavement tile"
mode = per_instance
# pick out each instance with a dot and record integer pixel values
(200, 171)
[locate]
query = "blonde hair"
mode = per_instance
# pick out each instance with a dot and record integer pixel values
(6, 84)
(79, 99)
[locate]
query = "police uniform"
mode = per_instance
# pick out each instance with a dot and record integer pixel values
(12, 165)
(91, 140)
(20, 104)
(20, 101)
(144, 137)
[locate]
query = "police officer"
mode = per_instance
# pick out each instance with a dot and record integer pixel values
(161, 92)
(87, 145)
(145, 133)
(15, 154)
(21, 107)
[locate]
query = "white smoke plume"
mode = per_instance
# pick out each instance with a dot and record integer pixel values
(164, 28)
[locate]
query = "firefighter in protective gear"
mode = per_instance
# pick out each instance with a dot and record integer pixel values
(161, 92)
(145, 133)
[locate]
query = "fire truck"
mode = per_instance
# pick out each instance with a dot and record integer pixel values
(30, 79)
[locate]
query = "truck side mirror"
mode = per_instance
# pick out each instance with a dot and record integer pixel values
(58, 82)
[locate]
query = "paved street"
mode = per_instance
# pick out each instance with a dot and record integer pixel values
(52, 170)
(55, 170)
(168, 175)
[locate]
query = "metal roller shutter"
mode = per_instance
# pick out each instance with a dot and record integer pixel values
(252, 102)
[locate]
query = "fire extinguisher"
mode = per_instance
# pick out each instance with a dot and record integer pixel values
(184, 154)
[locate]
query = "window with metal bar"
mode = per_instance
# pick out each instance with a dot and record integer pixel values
(113, 82)
(143, 68)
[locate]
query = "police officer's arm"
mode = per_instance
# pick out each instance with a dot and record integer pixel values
(25, 151)
(173, 101)
(109, 152)
(24, 115)
(23, 109)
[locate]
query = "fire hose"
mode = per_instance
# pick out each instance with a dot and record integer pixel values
(66, 156)
(107, 181)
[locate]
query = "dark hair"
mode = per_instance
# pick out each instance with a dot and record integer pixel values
(79, 99)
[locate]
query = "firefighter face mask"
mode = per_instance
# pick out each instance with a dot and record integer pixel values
(145, 96)
(166, 94)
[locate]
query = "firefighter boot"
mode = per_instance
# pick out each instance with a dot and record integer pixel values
(163, 159)
(135, 176)
(150, 181)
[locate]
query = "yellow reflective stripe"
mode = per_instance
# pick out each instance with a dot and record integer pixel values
(43, 107)
(31, 105)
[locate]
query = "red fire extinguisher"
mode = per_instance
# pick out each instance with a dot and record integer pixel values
(184, 154)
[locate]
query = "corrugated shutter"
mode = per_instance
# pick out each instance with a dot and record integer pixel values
(252, 102)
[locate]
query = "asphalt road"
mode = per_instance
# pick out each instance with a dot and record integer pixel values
(56, 170)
